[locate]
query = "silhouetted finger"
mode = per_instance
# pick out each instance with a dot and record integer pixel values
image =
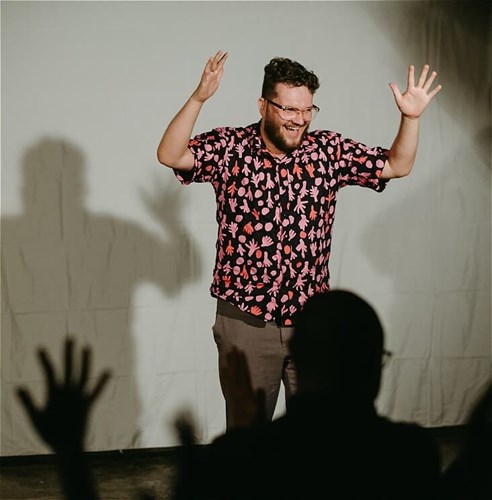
(85, 367)
(186, 429)
(28, 404)
(101, 382)
(69, 344)
(47, 368)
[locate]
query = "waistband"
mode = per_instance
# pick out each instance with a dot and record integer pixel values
(229, 310)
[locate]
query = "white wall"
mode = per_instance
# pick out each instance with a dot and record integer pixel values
(101, 242)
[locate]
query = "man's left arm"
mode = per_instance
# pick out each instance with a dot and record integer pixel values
(411, 104)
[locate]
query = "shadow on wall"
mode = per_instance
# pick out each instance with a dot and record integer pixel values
(455, 37)
(69, 271)
(439, 263)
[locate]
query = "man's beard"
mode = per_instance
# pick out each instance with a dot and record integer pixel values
(273, 132)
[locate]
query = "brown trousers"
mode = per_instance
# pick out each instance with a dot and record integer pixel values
(265, 346)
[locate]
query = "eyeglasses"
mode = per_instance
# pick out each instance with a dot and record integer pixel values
(289, 113)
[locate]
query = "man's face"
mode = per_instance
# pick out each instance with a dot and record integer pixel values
(284, 135)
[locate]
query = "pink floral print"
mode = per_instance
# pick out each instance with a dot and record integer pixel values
(275, 216)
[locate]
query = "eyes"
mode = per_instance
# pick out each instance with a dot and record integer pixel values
(289, 113)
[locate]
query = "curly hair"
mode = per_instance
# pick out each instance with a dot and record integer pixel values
(283, 70)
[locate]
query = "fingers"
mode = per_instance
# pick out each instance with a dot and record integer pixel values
(425, 83)
(85, 369)
(235, 376)
(69, 378)
(230, 368)
(428, 84)
(238, 366)
(411, 76)
(396, 91)
(211, 76)
(47, 367)
(435, 91)
(423, 75)
(68, 360)
(101, 383)
(216, 62)
(28, 403)
(185, 428)
(220, 59)
(85, 366)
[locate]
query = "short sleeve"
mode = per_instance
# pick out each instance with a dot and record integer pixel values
(209, 151)
(361, 165)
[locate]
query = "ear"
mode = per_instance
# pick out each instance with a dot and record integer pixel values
(262, 106)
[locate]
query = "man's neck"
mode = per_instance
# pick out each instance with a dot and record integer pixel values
(273, 150)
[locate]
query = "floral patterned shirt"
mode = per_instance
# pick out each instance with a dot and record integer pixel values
(275, 216)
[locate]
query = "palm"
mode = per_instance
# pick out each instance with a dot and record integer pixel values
(417, 96)
(63, 421)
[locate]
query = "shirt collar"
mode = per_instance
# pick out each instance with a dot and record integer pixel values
(258, 144)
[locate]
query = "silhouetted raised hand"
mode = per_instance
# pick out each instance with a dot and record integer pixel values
(331, 442)
(247, 405)
(62, 421)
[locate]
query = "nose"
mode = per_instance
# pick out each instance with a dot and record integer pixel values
(299, 118)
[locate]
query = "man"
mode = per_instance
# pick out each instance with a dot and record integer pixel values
(276, 187)
(331, 443)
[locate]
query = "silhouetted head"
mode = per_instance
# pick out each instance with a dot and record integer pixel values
(53, 170)
(337, 345)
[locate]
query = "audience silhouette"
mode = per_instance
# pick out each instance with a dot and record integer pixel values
(469, 476)
(62, 422)
(331, 443)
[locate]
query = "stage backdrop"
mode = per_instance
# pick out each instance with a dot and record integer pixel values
(101, 242)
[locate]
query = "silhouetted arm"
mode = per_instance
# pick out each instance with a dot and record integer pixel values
(62, 421)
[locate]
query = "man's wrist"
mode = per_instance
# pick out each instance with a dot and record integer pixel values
(410, 118)
(195, 99)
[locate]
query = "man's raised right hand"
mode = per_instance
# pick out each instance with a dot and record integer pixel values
(211, 76)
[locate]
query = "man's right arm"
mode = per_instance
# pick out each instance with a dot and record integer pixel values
(173, 149)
